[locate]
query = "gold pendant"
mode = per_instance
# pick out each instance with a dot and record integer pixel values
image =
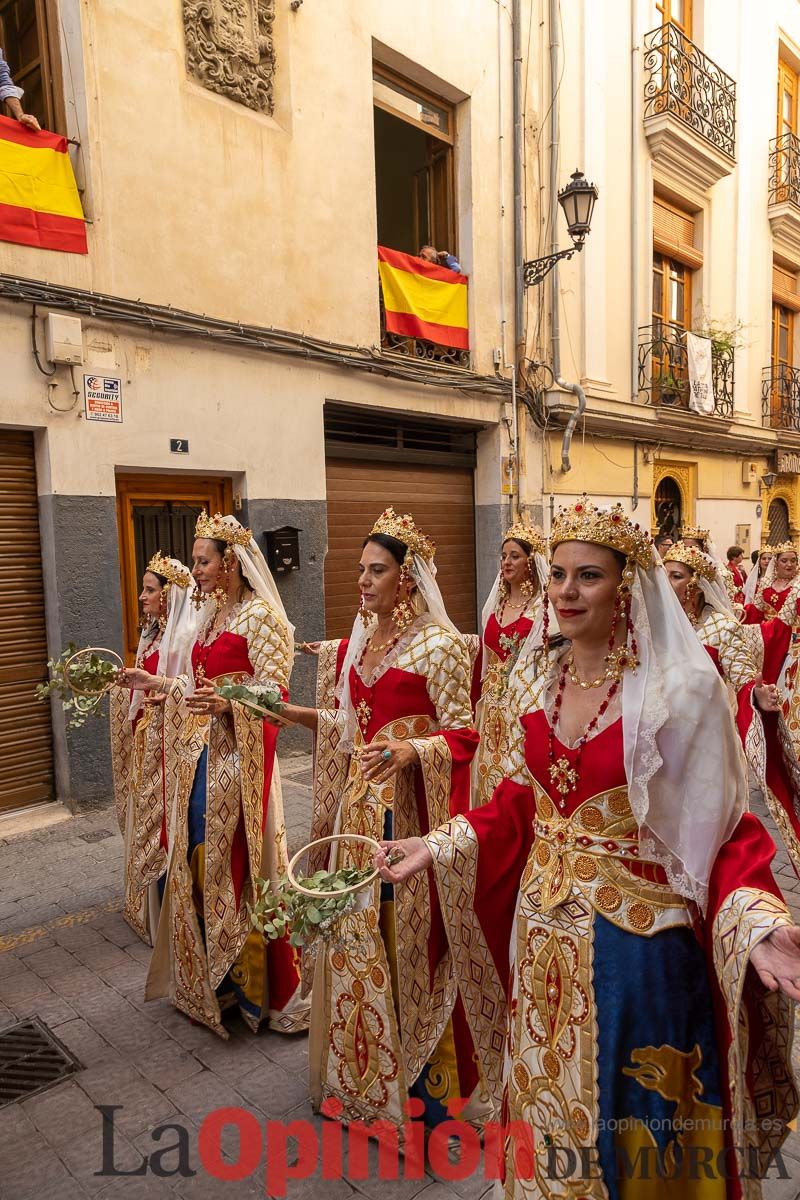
(563, 776)
(363, 713)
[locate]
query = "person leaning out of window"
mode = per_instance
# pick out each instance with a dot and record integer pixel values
(11, 96)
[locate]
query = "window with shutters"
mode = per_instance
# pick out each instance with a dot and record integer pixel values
(785, 150)
(675, 257)
(29, 39)
(779, 391)
(676, 12)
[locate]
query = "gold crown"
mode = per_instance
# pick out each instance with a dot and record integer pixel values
(521, 532)
(583, 521)
(403, 529)
(784, 548)
(697, 562)
(696, 533)
(160, 565)
(217, 527)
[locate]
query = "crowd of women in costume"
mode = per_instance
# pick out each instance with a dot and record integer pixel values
(576, 925)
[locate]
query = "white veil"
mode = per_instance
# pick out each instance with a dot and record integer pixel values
(183, 622)
(257, 573)
(421, 572)
(542, 574)
(752, 582)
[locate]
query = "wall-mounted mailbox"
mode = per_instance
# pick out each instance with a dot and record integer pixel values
(283, 549)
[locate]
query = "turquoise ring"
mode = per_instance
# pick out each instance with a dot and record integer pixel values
(387, 754)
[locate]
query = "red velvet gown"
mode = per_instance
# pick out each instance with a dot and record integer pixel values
(229, 831)
(491, 709)
(622, 1010)
(393, 982)
(767, 605)
(739, 580)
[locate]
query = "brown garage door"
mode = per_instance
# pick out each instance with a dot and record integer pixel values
(442, 503)
(26, 743)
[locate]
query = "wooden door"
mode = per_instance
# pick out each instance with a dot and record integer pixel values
(158, 512)
(26, 735)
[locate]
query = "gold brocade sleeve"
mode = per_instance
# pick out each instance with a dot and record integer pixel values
(735, 650)
(444, 661)
(326, 673)
(269, 645)
(760, 1073)
(121, 731)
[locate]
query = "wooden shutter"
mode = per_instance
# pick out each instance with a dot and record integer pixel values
(674, 233)
(25, 731)
(442, 502)
(784, 287)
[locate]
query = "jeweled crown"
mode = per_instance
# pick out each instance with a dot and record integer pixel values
(583, 521)
(520, 531)
(222, 529)
(696, 533)
(784, 548)
(403, 529)
(697, 562)
(179, 575)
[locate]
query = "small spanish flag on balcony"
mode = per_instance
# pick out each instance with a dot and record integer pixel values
(422, 300)
(39, 201)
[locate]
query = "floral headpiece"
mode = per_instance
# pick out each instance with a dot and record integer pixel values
(583, 521)
(403, 529)
(696, 533)
(697, 562)
(159, 565)
(222, 529)
(533, 537)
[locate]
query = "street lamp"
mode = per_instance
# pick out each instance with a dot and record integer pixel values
(577, 200)
(768, 480)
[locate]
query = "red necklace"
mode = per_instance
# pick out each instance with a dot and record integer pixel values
(564, 777)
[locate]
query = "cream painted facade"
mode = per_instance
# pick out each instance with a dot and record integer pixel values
(610, 127)
(198, 203)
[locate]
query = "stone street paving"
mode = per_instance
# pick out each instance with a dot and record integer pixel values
(67, 956)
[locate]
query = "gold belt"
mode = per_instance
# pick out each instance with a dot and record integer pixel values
(564, 838)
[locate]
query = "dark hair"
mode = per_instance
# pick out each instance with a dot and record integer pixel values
(162, 579)
(734, 551)
(660, 538)
(396, 548)
(755, 556)
(526, 546)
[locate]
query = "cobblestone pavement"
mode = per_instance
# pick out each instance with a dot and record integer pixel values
(67, 955)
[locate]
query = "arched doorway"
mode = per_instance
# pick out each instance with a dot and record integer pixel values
(778, 522)
(668, 507)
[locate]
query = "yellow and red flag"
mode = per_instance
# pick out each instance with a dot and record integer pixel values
(39, 201)
(422, 300)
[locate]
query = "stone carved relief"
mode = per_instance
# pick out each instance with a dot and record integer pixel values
(229, 49)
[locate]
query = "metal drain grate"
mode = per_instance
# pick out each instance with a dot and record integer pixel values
(32, 1059)
(97, 835)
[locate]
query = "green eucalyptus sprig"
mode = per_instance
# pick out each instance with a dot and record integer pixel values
(260, 697)
(91, 674)
(280, 909)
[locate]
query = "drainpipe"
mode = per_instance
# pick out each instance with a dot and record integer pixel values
(519, 241)
(555, 322)
(634, 280)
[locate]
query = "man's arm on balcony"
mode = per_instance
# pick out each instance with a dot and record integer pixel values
(12, 95)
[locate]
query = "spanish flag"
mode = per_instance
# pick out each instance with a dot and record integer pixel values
(422, 300)
(39, 202)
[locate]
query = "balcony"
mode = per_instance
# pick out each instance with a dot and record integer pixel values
(784, 194)
(423, 309)
(664, 371)
(689, 111)
(419, 348)
(780, 397)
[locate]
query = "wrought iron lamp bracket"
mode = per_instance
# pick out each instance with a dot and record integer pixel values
(537, 270)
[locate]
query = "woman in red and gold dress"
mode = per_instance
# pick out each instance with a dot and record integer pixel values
(514, 604)
(393, 756)
(145, 726)
(618, 862)
(227, 827)
(773, 589)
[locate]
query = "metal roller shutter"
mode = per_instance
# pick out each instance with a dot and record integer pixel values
(441, 500)
(26, 743)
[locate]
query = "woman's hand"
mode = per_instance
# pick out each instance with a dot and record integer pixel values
(296, 714)
(384, 757)
(205, 702)
(307, 648)
(766, 697)
(415, 854)
(776, 961)
(136, 678)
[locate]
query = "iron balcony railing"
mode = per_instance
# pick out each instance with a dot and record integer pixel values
(780, 397)
(418, 348)
(784, 169)
(683, 81)
(664, 370)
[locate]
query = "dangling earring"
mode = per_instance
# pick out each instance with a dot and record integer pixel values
(198, 597)
(402, 613)
(363, 614)
(546, 625)
(162, 615)
(527, 587)
(625, 657)
(503, 589)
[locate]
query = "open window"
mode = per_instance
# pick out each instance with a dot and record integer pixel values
(28, 37)
(413, 166)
